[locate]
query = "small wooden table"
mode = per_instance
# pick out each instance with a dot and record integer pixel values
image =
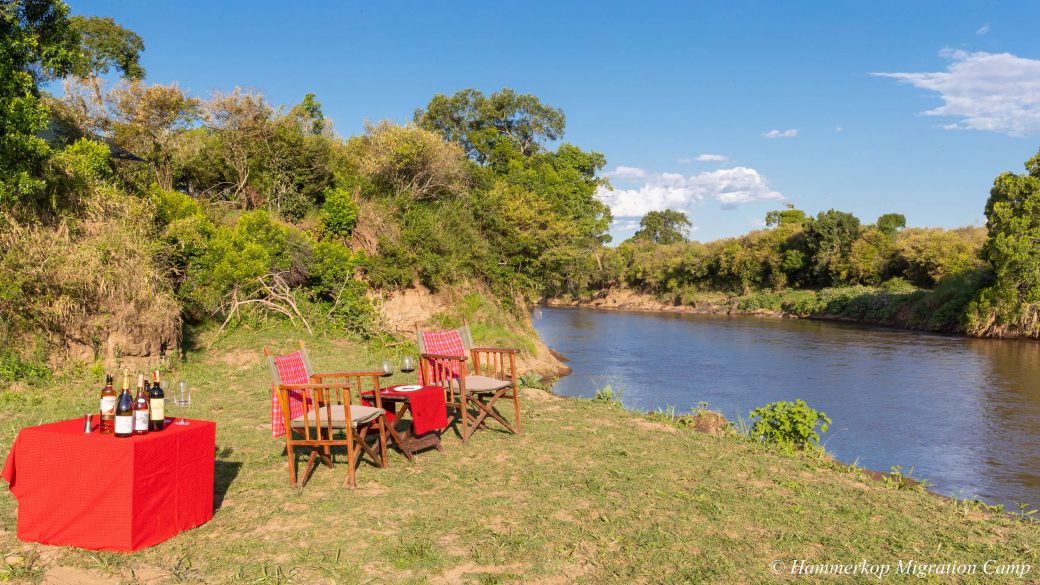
(410, 442)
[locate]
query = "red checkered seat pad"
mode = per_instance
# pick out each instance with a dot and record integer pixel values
(444, 343)
(291, 370)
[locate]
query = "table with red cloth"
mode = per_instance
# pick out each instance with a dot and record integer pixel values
(427, 406)
(101, 492)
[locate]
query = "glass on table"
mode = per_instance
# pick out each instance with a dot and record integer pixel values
(407, 364)
(182, 398)
(388, 368)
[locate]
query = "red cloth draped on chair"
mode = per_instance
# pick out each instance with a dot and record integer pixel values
(291, 370)
(443, 343)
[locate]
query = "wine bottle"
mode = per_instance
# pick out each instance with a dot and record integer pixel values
(125, 409)
(141, 407)
(157, 402)
(108, 407)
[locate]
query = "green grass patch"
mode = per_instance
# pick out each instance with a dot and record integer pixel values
(590, 493)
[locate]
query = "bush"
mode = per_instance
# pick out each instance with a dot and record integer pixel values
(13, 369)
(237, 258)
(607, 395)
(339, 213)
(788, 425)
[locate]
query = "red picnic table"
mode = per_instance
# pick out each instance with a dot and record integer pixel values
(101, 492)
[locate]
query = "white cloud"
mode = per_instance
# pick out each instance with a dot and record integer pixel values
(998, 92)
(731, 187)
(983, 29)
(623, 173)
(781, 133)
(711, 158)
(839, 129)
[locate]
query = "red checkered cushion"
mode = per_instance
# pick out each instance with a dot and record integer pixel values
(444, 343)
(291, 370)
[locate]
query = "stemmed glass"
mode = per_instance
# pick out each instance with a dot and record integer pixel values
(182, 398)
(388, 368)
(407, 364)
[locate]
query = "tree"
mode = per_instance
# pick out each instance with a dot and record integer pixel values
(410, 161)
(1012, 302)
(829, 238)
(871, 257)
(492, 129)
(663, 227)
(148, 119)
(104, 45)
(890, 223)
(783, 217)
(36, 44)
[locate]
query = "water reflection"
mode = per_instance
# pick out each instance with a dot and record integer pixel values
(963, 413)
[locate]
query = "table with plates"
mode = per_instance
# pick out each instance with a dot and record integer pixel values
(428, 410)
(101, 492)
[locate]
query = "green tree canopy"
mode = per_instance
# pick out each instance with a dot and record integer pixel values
(663, 227)
(890, 223)
(36, 43)
(104, 45)
(492, 129)
(1013, 249)
(784, 217)
(829, 238)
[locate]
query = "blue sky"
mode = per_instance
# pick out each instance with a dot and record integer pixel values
(655, 85)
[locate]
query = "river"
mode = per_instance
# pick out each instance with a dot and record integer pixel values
(962, 413)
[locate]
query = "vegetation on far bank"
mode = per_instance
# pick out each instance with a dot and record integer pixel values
(590, 493)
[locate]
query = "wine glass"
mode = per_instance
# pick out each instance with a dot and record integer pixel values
(388, 368)
(407, 364)
(182, 397)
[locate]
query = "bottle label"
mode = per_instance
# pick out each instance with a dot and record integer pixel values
(124, 425)
(140, 420)
(108, 405)
(158, 408)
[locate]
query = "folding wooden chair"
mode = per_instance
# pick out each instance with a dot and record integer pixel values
(443, 361)
(310, 412)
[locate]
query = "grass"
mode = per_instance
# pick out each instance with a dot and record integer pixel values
(590, 493)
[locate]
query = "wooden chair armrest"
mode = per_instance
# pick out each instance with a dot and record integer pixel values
(434, 356)
(324, 375)
(314, 386)
(496, 350)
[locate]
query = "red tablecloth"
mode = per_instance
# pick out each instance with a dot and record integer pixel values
(429, 409)
(100, 492)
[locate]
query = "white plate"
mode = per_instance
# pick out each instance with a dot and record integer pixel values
(407, 388)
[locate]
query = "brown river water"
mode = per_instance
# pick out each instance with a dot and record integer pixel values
(962, 413)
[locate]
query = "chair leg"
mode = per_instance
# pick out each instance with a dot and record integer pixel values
(464, 410)
(351, 460)
(396, 438)
(310, 466)
(382, 442)
(292, 466)
(516, 409)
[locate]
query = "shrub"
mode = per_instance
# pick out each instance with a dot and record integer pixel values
(14, 368)
(607, 395)
(332, 279)
(339, 213)
(237, 258)
(788, 425)
(898, 286)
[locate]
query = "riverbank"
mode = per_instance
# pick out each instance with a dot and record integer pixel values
(590, 493)
(903, 307)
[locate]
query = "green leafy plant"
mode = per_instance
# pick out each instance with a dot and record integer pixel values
(1026, 512)
(608, 395)
(339, 213)
(788, 425)
(532, 380)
